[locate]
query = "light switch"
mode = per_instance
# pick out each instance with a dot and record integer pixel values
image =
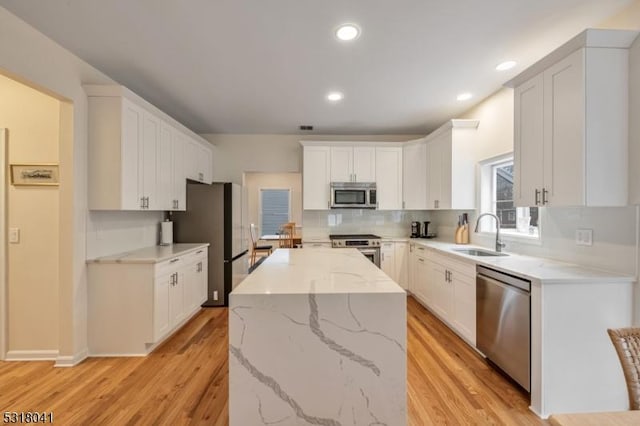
(14, 235)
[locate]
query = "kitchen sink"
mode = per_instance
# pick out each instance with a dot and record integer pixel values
(479, 252)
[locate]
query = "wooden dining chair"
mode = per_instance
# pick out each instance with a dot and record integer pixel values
(287, 231)
(255, 248)
(627, 344)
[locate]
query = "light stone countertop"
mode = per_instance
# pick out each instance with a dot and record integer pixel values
(317, 271)
(534, 268)
(153, 254)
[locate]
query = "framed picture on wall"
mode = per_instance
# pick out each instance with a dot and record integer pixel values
(35, 174)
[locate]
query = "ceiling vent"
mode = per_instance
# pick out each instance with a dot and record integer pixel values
(306, 127)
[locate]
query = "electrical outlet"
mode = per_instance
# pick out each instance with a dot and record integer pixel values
(14, 235)
(215, 295)
(584, 237)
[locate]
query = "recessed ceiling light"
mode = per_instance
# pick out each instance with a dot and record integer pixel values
(507, 65)
(464, 96)
(335, 96)
(348, 32)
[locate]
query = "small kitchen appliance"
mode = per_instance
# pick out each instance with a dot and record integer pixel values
(353, 195)
(415, 229)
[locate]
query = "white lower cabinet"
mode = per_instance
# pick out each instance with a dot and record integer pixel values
(402, 264)
(446, 286)
(148, 300)
(388, 259)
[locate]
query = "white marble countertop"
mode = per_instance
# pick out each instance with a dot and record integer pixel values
(153, 254)
(317, 271)
(535, 268)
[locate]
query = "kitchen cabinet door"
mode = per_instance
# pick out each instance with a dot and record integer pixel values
(388, 169)
(402, 264)
(452, 160)
(179, 177)
(177, 293)
(203, 281)
(528, 142)
(436, 153)
(130, 185)
(387, 259)
(442, 291)
(149, 161)
(422, 277)
(414, 175)
(206, 164)
(364, 164)
(161, 321)
(165, 169)
(464, 305)
(341, 164)
(564, 120)
(353, 164)
(316, 175)
(191, 287)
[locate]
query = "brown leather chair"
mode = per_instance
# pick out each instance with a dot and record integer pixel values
(255, 248)
(627, 344)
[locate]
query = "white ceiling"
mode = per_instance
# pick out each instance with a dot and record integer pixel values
(265, 66)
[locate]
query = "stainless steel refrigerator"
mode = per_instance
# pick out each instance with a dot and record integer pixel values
(215, 215)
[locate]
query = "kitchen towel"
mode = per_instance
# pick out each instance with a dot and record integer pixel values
(166, 233)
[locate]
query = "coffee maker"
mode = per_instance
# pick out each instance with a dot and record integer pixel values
(425, 229)
(415, 230)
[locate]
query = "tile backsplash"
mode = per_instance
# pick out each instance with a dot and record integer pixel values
(386, 223)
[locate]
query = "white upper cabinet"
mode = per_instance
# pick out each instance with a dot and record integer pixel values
(571, 124)
(388, 166)
(136, 154)
(165, 166)
(414, 175)
(353, 164)
(451, 166)
(199, 165)
(316, 176)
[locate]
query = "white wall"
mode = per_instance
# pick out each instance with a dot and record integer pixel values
(36, 60)
(116, 232)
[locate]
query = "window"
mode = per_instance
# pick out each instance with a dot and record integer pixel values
(274, 210)
(498, 182)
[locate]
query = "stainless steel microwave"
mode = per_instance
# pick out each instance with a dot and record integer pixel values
(353, 195)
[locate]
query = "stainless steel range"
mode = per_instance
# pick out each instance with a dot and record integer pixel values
(368, 244)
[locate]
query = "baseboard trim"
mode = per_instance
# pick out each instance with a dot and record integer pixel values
(72, 360)
(39, 355)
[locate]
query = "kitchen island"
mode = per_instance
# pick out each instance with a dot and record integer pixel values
(317, 337)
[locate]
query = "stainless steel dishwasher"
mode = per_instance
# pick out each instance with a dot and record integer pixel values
(503, 322)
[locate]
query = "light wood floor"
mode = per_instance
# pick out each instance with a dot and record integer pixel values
(185, 381)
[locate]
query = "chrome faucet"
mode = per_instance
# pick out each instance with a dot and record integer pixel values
(499, 244)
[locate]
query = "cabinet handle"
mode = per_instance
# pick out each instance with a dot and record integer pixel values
(173, 280)
(201, 176)
(544, 196)
(176, 274)
(146, 204)
(537, 200)
(420, 260)
(142, 202)
(199, 251)
(174, 260)
(199, 267)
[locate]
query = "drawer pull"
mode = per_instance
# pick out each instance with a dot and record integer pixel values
(199, 251)
(174, 260)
